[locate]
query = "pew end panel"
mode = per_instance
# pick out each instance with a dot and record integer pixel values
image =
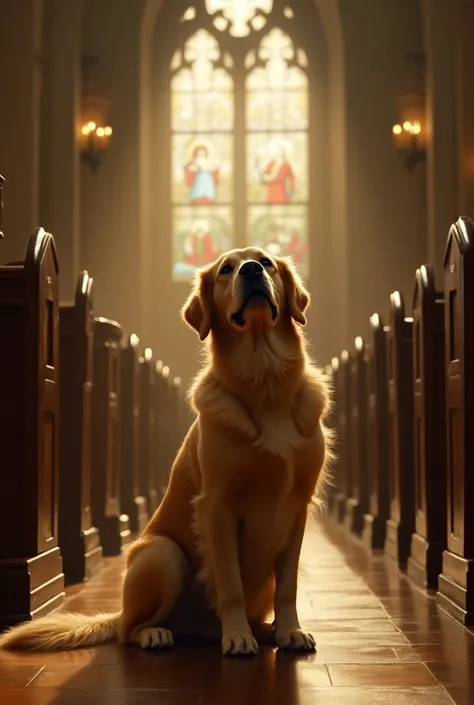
(357, 503)
(339, 497)
(106, 511)
(176, 411)
(166, 452)
(377, 437)
(429, 539)
(31, 577)
(348, 508)
(78, 538)
(401, 522)
(333, 483)
(147, 473)
(133, 503)
(456, 583)
(160, 400)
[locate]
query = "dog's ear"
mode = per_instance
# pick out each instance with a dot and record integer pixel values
(297, 297)
(197, 309)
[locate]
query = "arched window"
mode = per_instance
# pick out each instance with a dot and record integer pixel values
(202, 123)
(239, 117)
(277, 147)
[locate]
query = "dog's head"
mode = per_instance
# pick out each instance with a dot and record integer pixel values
(244, 290)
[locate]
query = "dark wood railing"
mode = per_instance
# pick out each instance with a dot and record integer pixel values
(418, 439)
(89, 425)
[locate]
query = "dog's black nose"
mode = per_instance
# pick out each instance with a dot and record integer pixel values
(251, 269)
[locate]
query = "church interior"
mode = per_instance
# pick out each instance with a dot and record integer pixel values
(139, 141)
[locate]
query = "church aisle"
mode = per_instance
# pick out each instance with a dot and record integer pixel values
(380, 641)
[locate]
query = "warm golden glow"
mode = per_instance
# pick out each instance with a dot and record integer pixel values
(410, 135)
(91, 130)
(93, 133)
(93, 141)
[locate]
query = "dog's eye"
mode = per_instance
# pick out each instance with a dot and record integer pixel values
(226, 269)
(266, 262)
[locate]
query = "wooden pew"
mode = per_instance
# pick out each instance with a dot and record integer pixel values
(2, 181)
(147, 373)
(176, 412)
(78, 538)
(333, 485)
(358, 501)
(186, 414)
(183, 413)
(401, 523)
(31, 577)
(429, 540)
(160, 430)
(456, 584)
(345, 433)
(377, 437)
(106, 512)
(166, 454)
(132, 502)
(339, 499)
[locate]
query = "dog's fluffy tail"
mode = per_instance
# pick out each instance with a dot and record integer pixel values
(64, 630)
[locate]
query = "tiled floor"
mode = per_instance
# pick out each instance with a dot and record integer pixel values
(380, 641)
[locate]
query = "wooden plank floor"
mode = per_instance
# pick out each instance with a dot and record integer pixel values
(380, 641)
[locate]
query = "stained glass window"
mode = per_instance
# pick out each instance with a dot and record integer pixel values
(200, 235)
(239, 121)
(202, 153)
(277, 147)
(239, 16)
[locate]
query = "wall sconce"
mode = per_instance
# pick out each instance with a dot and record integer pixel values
(409, 134)
(95, 133)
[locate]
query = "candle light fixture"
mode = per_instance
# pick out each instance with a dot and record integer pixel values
(95, 133)
(409, 134)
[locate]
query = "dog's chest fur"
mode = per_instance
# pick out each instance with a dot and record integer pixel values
(278, 434)
(272, 471)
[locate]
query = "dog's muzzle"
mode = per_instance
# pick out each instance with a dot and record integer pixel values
(253, 287)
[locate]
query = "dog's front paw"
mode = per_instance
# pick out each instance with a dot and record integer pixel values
(239, 644)
(155, 638)
(295, 640)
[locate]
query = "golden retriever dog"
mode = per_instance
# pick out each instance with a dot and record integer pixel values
(234, 513)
